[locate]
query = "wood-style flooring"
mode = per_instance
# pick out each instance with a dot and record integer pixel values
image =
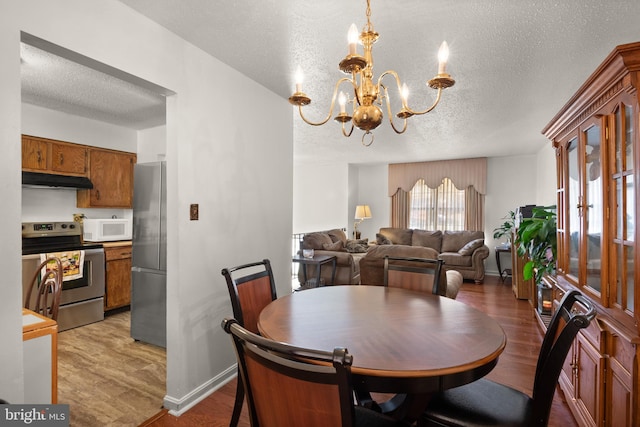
(106, 377)
(515, 368)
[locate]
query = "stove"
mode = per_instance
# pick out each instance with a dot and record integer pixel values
(40, 237)
(82, 299)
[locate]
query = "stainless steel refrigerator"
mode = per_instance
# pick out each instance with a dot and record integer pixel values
(149, 255)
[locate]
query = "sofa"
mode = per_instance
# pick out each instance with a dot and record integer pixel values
(463, 251)
(347, 252)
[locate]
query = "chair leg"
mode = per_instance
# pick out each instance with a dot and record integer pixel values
(237, 406)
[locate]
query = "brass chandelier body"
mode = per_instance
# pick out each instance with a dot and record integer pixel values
(368, 97)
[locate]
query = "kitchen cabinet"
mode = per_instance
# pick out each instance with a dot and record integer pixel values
(597, 156)
(111, 173)
(40, 354)
(55, 157)
(118, 275)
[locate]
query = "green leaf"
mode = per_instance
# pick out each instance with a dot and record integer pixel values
(527, 271)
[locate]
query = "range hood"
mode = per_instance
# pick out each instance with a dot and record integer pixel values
(50, 180)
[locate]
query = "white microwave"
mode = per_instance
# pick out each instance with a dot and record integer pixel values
(106, 230)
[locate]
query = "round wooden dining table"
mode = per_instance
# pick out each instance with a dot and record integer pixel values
(402, 341)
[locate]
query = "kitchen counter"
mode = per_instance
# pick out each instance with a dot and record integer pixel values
(115, 244)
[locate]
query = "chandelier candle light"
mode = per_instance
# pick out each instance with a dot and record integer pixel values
(369, 98)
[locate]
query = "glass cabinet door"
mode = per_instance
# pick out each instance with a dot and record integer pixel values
(623, 219)
(592, 205)
(583, 220)
(572, 221)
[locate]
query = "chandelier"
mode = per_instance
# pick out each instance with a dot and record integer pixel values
(368, 98)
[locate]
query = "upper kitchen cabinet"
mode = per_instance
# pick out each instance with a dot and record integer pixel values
(111, 173)
(54, 157)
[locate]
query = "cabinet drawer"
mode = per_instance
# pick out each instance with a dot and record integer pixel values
(118, 252)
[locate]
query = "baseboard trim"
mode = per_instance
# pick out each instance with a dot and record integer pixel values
(178, 406)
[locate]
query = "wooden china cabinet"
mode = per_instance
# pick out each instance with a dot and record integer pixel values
(598, 162)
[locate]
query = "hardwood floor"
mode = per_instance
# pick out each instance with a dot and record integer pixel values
(515, 368)
(106, 377)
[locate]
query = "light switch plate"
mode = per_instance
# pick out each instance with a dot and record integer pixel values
(193, 212)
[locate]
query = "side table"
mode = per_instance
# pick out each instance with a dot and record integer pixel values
(318, 261)
(507, 271)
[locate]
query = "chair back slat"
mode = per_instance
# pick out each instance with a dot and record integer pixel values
(250, 292)
(417, 274)
(254, 295)
(284, 391)
(45, 289)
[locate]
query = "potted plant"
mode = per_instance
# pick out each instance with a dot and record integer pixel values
(506, 228)
(536, 238)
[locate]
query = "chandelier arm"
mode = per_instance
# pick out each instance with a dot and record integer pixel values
(354, 83)
(333, 104)
(404, 101)
(398, 83)
(386, 97)
(435, 103)
(344, 131)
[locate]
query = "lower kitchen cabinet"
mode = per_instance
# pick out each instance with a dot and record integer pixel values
(40, 353)
(118, 275)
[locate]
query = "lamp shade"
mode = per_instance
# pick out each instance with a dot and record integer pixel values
(363, 212)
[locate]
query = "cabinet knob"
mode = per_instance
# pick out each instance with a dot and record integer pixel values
(61, 157)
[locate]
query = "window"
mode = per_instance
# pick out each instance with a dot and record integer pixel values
(441, 208)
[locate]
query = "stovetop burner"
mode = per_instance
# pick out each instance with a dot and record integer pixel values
(43, 237)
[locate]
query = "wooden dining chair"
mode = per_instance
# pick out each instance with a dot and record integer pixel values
(488, 403)
(289, 386)
(417, 274)
(45, 289)
(251, 288)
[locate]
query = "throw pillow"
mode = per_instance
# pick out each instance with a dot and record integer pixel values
(335, 246)
(315, 240)
(357, 246)
(382, 240)
(471, 246)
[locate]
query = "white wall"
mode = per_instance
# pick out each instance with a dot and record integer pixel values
(46, 123)
(511, 182)
(152, 144)
(546, 176)
(240, 175)
(321, 192)
(372, 191)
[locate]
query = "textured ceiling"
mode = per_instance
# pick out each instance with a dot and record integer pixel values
(52, 81)
(515, 63)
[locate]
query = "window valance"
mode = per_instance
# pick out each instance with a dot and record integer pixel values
(463, 173)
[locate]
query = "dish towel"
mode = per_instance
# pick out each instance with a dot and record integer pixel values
(72, 264)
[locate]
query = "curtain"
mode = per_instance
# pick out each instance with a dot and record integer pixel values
(400, 204)
(474, 210)
(467, 174)
(441, 208)
(463, 173)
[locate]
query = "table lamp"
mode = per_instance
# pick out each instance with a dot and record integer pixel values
(362, 212)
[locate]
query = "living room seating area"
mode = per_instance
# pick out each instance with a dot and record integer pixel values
(361, 262)
(463, 251)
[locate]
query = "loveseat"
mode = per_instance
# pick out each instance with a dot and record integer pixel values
(347, 252)
(463, 251)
